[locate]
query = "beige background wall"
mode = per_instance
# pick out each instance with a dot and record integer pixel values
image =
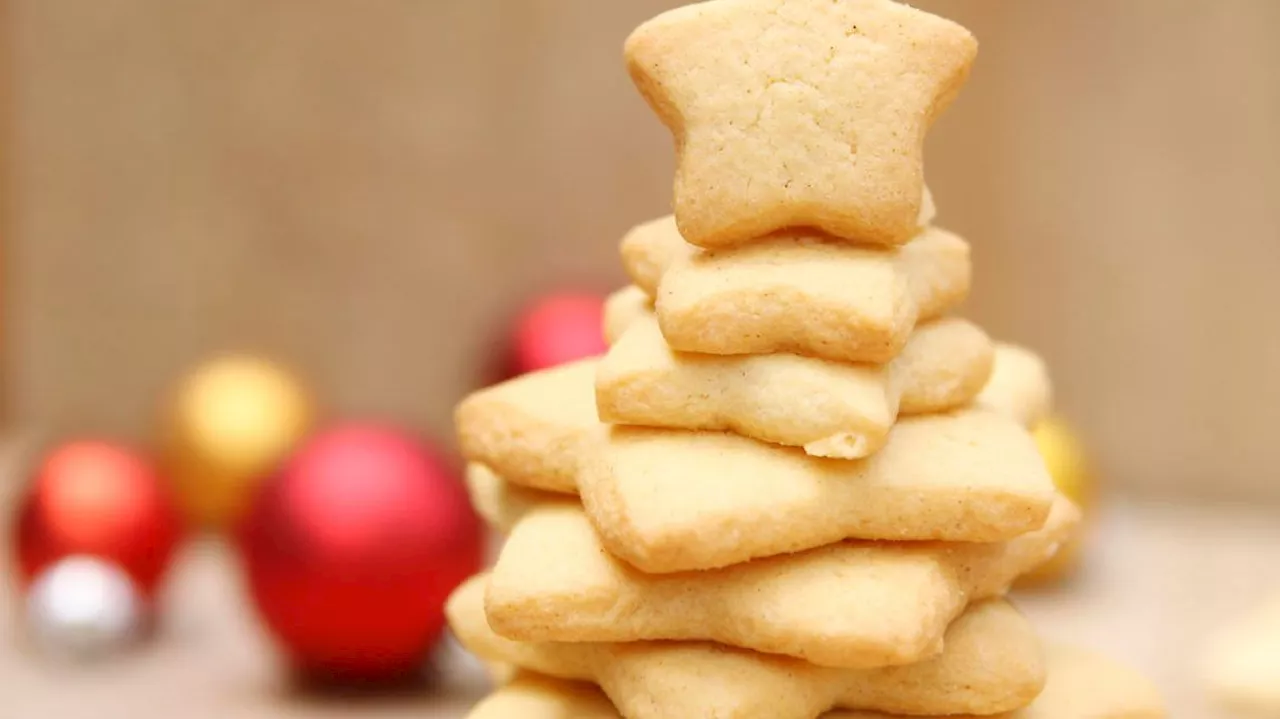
(368, 190)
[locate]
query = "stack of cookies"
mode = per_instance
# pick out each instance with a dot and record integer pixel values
(795, 484)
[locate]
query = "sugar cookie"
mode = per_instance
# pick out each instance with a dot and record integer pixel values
(537, 430)
(622, 308)
(670, 501)
(797, 293)
(831, 409)
(649, 248)
(530, 429)
(501, 504)
(793, 113)
(852, 604)
(530, 696)
(992, 663)
(814, 298)
(1081, 685)
(1019, 385)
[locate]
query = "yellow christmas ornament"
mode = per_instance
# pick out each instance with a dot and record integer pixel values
(1068, 464)
(227, 426)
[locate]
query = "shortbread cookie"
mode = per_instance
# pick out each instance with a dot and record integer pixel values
(811, 297)
(793, 113)
(622, 308)
(531, 696)
(851, 604)
(1019, 385)
(930, 383)
(502, 504)
(530, 429)
(1081, 685)
(992, 663)
(1242, 662)
(522, 430)
(649, 248)
(672, 501)
(831, 409)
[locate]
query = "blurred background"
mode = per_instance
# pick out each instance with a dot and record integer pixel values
(371, 191)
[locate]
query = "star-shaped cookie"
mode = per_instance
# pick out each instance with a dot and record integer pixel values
(1081, 684)
(992, 661)
(799, 113)
(850, 604)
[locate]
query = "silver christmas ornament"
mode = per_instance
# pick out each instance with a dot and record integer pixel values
(83, 608)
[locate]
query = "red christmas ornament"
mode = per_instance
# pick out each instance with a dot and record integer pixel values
(557, 329)
(352, 549)
(100, 499)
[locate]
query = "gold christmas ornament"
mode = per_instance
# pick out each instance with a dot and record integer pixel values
(1068, 464)
(227, 426)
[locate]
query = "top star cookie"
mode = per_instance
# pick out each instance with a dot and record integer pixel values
(799, 113)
